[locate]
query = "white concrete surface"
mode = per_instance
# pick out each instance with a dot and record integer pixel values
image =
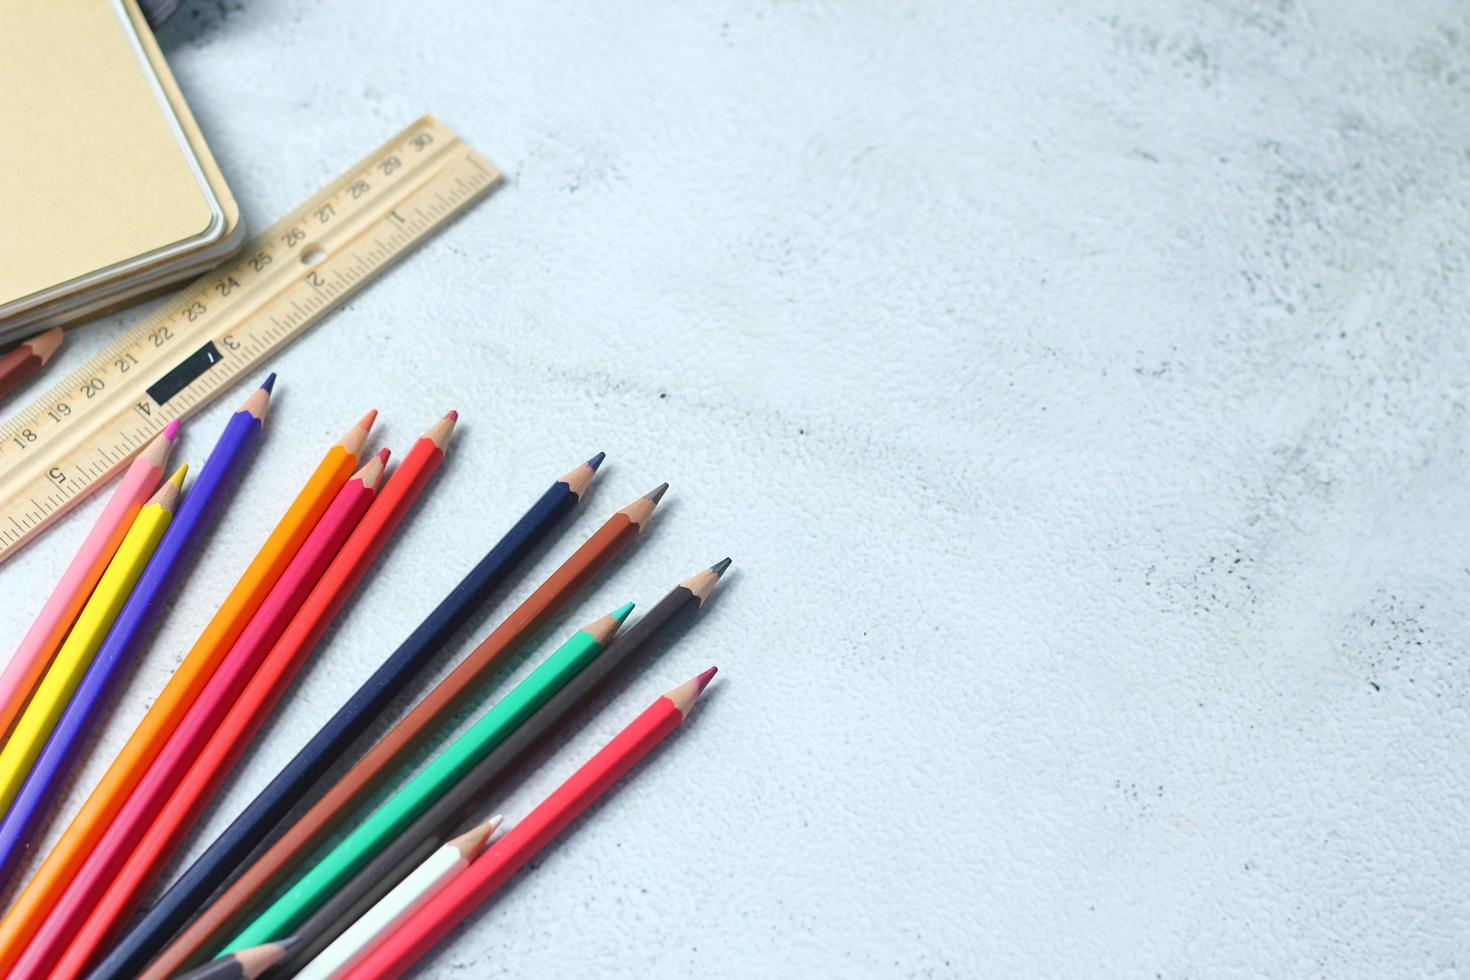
(1080, 389)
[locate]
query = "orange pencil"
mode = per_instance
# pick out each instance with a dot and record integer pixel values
(75, 933)
(40, 894)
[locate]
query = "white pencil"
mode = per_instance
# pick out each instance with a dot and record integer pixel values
(438, 870)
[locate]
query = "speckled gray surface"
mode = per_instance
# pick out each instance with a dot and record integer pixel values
(1079, 388)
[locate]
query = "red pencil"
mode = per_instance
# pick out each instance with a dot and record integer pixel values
(74, 949)
(434, 919)
(202, 718)
(26, 359)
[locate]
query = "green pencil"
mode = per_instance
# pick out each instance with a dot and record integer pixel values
(375, 833)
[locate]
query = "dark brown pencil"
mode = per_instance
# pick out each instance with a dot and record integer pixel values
(26, 358)
(244, 965)
(420, 839)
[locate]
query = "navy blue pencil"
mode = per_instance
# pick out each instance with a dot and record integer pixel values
(131, 627)
(187, 896)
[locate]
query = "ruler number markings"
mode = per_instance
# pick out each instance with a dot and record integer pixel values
(229, 320)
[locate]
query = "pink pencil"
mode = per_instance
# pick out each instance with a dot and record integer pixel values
(76, 585)
(58, 931)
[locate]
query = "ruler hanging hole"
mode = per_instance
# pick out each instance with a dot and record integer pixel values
(313, 254)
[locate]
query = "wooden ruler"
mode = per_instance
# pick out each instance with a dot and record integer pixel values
(72, 439)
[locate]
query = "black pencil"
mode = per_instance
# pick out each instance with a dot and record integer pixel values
(464, 801)
(247, 964)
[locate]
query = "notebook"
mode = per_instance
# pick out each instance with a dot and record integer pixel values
(108, 190)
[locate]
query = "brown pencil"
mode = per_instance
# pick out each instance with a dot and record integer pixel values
(26, 358)
(236, 905)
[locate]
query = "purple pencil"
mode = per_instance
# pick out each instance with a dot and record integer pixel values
(132, 624)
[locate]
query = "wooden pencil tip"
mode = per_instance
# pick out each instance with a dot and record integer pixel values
(357, 436)
(269, 383)
(603, 628)
(258, 401)
(473, 841)
(580, 478)
(168, 495)
(640, 510)
(44, 345)
(371, 472)
(157, 451)
(256, 960)
(439, 432)
(688, 692)
(703, 582)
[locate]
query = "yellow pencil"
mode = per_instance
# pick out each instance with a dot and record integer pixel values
(96, 618)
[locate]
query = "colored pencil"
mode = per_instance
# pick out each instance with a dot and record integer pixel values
(44, 637)
(199, 723)
(26, 358)
(432, 921)
(181, 691)
(79, 947)
(436, 871)
(244, 965)
(97, 617)
(160, 783)
(472, 793)
(149, 596)
(189, 893)
(380, 827)
(234, 906)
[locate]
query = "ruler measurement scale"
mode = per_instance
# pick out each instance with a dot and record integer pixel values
(84, 429)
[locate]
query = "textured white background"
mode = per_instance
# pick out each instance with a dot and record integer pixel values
(1079, 388)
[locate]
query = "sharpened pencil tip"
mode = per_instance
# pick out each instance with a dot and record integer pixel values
(604, 628)
(580, 478)
(476, 839)
(255, 961)
(357, 436)
(370, 474)
(171, 431)
(640, 510)
(440, 431)
(719, 567)
(42, 346)
(688, 692)
(168, 495)
(269, 383)
(383, 455)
